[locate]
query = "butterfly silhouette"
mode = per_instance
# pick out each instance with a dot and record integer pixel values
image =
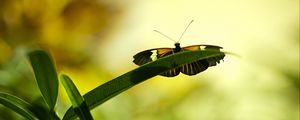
(192, 68)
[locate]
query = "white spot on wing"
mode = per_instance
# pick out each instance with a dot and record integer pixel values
(154, 55)
(202, 47)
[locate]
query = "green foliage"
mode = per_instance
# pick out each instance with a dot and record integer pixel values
(46, 77)
(114, 87)
(18, 105)
(78, 104)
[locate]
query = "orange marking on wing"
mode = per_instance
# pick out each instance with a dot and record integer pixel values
(192, 48)
(163, 51)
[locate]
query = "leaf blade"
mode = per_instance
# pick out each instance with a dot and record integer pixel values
(18, 105)
(46, 76)
(78, 103)
(112, 88)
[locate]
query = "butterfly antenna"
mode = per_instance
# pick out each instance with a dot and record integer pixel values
(164, 35)
(185, 30)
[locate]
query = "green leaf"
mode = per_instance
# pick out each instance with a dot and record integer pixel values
(114, 87)
(74, 95)
(78, 103)
(45, 75)
(18, 105)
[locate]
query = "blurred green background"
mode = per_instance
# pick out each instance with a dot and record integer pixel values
(93, 41)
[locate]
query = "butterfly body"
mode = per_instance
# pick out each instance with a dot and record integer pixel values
(177, 48)
(188, 69)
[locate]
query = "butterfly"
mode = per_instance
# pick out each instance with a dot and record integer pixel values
(192, 68)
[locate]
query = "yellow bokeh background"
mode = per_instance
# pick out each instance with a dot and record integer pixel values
(93, 41)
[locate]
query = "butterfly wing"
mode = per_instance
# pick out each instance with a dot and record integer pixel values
(200, 65)
(171, 73)
(201, 47)
(194, 67)
(151, 55)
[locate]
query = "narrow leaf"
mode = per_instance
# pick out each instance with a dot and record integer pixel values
(46, 76)
(114, 87)
(18, 105)
(78, 103)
